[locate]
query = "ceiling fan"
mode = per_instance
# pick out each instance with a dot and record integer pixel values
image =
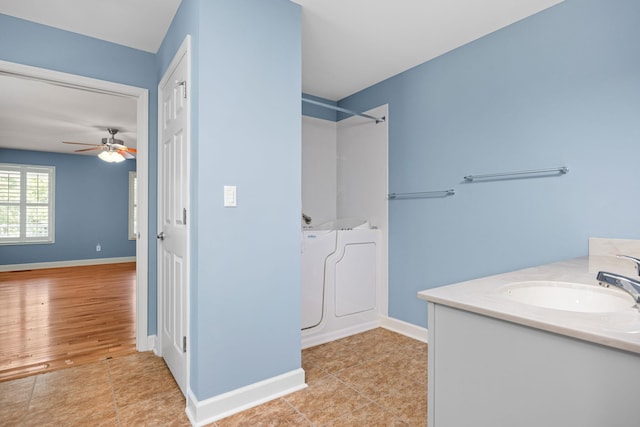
(113, 149)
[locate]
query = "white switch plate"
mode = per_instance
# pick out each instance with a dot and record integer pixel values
(230, 196)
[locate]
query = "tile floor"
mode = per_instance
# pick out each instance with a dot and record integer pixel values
(125, 391)
(377, 378)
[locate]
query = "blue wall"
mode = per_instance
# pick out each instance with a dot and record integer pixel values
(559, 88)
(245, 321)
(25, 42)
(245, 271)
(91, 207)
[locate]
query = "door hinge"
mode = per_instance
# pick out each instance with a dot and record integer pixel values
(184, 344)
(184, 216)
(183, 83)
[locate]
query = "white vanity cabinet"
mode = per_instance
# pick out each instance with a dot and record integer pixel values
(488, 372)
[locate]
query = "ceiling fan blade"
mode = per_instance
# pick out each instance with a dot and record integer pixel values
(131, 150)
(81, 143)
(126, 154)
(88, 149)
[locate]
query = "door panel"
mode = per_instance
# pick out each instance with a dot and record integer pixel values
(173, 205)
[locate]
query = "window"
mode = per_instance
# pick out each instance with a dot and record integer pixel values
(133, 205)
(26, 204)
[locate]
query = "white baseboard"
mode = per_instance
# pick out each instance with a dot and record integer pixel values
(226, 404)
(71, 263)
(148, 345)
(314, 339)
(409, 329)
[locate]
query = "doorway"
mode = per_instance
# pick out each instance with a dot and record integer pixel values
(141, 98)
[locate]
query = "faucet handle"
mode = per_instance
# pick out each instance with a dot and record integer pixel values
(630, 258)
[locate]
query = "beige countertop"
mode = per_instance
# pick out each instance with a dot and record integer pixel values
(485, 296)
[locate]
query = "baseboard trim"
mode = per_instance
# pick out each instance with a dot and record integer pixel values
(71, 263)
(412, 331)
(226, 404)
(319, 338)
(149, 344)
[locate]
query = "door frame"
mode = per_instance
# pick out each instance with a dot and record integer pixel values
(141, 95)
(183, 51)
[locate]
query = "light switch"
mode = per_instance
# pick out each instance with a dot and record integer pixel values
(230, 196)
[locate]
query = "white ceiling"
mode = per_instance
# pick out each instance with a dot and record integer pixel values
(36, 115)
(347, 45)
(140, 24)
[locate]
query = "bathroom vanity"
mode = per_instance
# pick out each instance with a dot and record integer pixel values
(557, 354)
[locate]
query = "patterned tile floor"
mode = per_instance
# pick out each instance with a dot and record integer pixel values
(377, 378)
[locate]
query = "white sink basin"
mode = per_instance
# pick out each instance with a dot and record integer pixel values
(568, 296)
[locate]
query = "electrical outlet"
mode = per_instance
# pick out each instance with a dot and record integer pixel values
(98, 247)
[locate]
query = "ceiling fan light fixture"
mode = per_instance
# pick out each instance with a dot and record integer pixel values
(111, 157)
(114, 150)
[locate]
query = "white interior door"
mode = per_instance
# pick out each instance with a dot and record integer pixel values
(173, 200)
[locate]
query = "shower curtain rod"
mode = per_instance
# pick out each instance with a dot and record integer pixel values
(343, 110)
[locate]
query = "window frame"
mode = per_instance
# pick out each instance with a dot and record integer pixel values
(133, 205)
(23, 170)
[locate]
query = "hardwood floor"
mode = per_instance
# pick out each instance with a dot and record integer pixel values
(60, 317)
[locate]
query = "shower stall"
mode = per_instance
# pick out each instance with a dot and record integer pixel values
(344, 249)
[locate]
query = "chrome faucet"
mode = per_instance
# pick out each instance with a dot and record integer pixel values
(631, 286)
(632, 259)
